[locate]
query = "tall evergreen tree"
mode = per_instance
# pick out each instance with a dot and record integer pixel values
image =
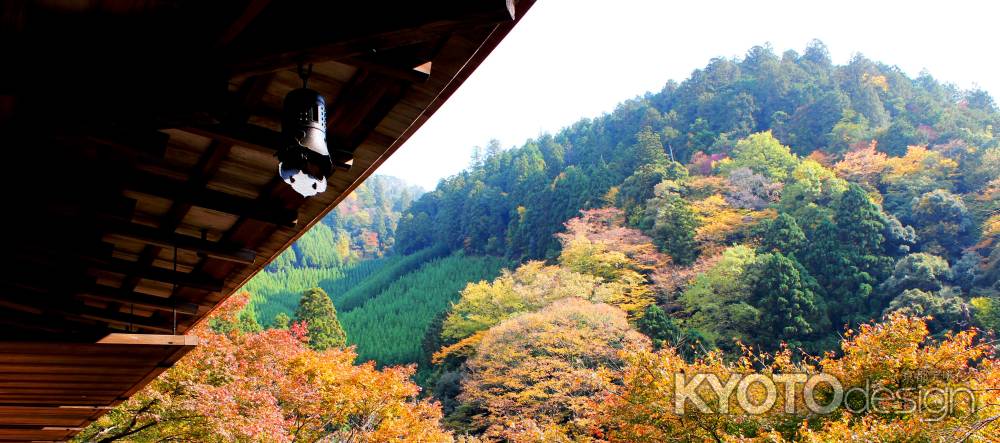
(316, 309)
(788, 300)
(281, 321)
(781, 234)
(659, 327)
(847, 255)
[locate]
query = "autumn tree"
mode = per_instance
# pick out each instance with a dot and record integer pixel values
(749, 190)
(607, 226)
(613, 268)
(908, 177)
(897, 355)
(316, 311)
(863, 166)
(534, 374)
(530, 287)
(270, 386)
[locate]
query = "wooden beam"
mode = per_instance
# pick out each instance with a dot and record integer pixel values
(149, 339)
(142, 270)
(365, 102)
(38, 265)
(69, 310)
(409, 63)
(39, 282)
(149, 143)
(120, 318)
(254, 8)
(247, 135)
(145, 301)
(155, 237)
(392, 68)
(420, 24)
(215, 200)
(260, 138)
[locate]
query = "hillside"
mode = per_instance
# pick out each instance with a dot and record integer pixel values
(699, 167)
(770, 213)
(511, 202)
(361, 227)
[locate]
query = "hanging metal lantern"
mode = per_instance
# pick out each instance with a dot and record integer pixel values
(304, 161)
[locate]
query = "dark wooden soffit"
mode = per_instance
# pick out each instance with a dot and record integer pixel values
(50, 392)
(141, 183)
(145, 181)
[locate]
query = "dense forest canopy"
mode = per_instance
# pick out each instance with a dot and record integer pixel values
(770, 214)
(511, 202)
(363, 226)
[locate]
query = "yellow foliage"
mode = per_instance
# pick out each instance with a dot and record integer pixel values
(991, 227)
(611, 196)
(623, 287)
(717, 220)
(464, 348)
(877, 80)
(534, 374)
(919, 159)
(896, 356)
(706, 185)
(533, 286)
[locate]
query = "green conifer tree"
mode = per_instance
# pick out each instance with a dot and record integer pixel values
(659, 327)
(281, 321)
(788, 300)
(316, 309)
(781, 234)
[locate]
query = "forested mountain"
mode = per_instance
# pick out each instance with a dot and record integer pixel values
(363, 226)
(385, 303)
(337, 254)
(770, 214)
(767, 202)
(511, 202)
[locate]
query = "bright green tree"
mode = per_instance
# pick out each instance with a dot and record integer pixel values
(281, 321)
(763, 154)
(317, 311)
(717, 301)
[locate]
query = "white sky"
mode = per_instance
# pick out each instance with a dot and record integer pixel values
(569, 59)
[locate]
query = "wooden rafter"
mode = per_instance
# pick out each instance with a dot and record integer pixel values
(431, 23)
(253, 9)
